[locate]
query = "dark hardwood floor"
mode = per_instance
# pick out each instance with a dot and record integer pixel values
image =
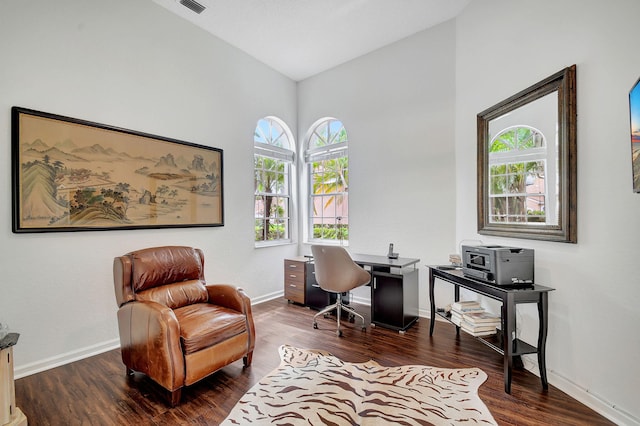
(96, 390)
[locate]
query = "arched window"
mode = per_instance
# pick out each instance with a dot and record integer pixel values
(273, 157)
(328, 181)
(519, 176)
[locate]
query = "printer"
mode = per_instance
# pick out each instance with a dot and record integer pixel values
(500, 265)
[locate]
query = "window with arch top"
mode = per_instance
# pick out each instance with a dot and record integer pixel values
(273, 158)
(519, 177)
(327, 160)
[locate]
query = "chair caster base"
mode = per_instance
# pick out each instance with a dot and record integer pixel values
(339, 333)
(315, 325)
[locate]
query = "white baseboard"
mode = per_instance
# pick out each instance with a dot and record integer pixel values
(65, 358)
(362, 300)
(591, 400)
(267, 297)
(577, 392)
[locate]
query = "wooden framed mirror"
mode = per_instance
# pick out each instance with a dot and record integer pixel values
(527, 163)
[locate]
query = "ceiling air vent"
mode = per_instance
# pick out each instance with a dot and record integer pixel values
(193, 5)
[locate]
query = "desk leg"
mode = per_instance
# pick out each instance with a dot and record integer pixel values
(432, 301)
(542, 338)
(508, 330)
(373, 291)
(456, 298)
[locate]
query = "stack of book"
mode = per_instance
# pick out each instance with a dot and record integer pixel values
(458, 309)
(480, 323)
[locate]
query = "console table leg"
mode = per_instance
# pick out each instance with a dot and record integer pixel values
(542, 338)
(456, 298)
(432, 301)
(508, 331)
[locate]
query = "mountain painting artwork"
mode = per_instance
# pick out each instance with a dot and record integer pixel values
(76, 175)
(634, 110)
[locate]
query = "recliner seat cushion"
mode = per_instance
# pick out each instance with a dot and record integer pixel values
(203, 325)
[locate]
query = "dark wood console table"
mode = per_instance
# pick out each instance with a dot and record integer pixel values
(504, 341)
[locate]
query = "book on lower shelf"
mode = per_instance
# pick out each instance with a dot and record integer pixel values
(456, 318)
(480, 317)
(459, 309)
(466, 306)
(480, 323)
(470, 316)
(477, 333)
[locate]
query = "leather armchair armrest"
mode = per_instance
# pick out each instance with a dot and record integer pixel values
(234, 298)
(229, 296)
(150, 342)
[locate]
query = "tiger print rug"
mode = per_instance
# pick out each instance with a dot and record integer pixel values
(313, 387)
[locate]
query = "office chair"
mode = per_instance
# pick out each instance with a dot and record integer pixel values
(337, 273)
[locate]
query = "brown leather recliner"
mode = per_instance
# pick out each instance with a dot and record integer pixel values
(173, 327)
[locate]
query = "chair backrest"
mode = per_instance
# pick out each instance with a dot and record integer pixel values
(170, 275)
(336, 271)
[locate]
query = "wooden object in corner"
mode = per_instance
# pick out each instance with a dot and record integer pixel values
(294, 279)
(9, 413)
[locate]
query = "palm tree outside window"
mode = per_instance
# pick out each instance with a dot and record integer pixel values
(273, 158)
(327, 161)
(518, 176)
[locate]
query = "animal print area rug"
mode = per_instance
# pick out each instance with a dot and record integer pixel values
(316, 388)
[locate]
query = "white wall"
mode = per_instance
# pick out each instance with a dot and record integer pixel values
(410, 110)
(595, 311)
(397, 106)
(130, 64)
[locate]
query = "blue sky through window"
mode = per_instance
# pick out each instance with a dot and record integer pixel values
(634, 106)
(271, 133)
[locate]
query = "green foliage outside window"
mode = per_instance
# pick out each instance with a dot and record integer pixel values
(508, 181)
(271, 199)
(329, 183)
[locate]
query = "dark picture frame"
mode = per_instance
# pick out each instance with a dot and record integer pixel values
(76, 175)
(634, 113)
(563, 85)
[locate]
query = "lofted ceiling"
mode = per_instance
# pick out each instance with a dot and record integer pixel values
(300, 38)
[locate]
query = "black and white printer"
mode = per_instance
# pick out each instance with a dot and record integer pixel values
(500, 265)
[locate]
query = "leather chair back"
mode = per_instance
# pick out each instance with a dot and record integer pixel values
(171, 275)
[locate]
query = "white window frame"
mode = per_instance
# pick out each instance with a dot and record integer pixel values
(542, 153)
(333, 150)
(267, 146)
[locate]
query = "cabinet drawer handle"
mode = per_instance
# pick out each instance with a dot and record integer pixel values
(292, 276)
(293, 285)
(293, 266)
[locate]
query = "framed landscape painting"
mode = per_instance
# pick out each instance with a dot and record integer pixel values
(75, 175)
(634, 109)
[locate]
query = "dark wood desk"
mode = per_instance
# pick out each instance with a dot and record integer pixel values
(383, 263)
(505, 341)
(394, 290)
